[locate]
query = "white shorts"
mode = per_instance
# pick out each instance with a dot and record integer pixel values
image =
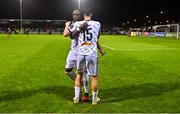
(71, 61)
(87, 62)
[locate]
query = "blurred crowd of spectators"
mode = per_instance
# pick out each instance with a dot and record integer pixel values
(58, 29)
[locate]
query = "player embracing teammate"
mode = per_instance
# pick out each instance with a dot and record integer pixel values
(86, 33)
(71, 61)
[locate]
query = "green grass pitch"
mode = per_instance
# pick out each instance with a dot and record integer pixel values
(136, 75)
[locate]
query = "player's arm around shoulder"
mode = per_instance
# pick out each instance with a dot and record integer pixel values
(80, 26)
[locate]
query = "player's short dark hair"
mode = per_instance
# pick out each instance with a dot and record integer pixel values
(87, 11)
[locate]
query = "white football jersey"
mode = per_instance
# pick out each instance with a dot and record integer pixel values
(87, 39)
(74, 41)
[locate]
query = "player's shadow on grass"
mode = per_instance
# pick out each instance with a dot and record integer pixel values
(63, 91)
(136, 91)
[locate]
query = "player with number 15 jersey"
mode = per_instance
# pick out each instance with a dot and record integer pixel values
(87, 40)
(87, 32)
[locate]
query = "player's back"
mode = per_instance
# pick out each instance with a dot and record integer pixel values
(87, 41)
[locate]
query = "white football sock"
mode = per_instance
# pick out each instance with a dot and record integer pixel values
(94, 95)
(77, 92)
(86, 83)
(86, 86)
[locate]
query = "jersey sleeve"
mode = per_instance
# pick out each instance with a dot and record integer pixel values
(72, 27)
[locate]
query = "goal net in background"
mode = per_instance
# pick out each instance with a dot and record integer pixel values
(170, 30)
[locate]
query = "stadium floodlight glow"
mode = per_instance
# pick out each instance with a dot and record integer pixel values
(48, 20)
(21, 16)
(11, 20)
(79, 4)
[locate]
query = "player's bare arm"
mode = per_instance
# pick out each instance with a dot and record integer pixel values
(101, 50)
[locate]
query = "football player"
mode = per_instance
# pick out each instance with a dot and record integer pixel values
(87, 32)
(71, 61)
(9, 31)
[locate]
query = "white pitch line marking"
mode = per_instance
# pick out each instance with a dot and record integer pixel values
(153, 49)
